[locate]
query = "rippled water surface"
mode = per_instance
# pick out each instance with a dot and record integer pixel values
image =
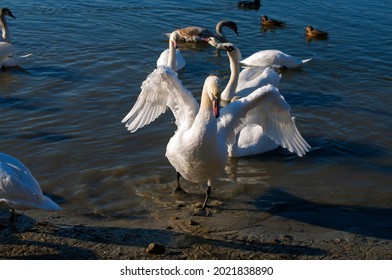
(61, 113)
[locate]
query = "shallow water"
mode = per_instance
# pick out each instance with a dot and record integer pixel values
(61, 113)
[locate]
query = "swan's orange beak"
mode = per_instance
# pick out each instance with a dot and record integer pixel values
(215, 108)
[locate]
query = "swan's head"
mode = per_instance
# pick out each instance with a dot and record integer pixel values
(232, 25)
(232, 51)
(6, 12)
(174, 36)
(212, 87)
(213, 42)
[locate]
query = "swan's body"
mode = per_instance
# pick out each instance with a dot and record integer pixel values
(256, 137)
(273, 58)
(7, 50)
(195, 150)
(197, 33)
(164, 59)
(314, 33)
(265, 21)
(18, 187)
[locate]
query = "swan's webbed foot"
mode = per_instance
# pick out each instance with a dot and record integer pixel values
(202, 213)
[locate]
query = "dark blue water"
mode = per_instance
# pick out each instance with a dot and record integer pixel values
(61, 113)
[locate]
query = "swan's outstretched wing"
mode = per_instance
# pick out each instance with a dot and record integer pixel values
(267, 108)
(160, 90)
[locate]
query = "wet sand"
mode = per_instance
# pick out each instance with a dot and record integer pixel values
(285, 231)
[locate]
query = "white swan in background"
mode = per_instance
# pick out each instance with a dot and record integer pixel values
(256, 138)
(19, 189)
(273, 58)
(7, 50)
(197, 33)
(165, 55)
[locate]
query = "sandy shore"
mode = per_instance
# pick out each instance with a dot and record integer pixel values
(226, 234)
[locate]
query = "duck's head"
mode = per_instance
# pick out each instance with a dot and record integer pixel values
(212, 88)
(309, 28)
(264, 18)
(6, 12)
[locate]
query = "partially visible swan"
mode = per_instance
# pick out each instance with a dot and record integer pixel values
(253, 139)
(19, 189)
(7, 50)
(197, 33)
(165, 55)
(314, 33)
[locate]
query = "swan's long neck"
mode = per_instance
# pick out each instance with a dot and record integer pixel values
(209, 104)
(4, 29)
(172, 51)
(219, 31)
(229, 92)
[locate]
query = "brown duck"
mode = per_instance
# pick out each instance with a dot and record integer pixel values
(314, 33)
(265, 21)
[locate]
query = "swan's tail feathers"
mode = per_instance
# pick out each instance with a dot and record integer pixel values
(306, 60)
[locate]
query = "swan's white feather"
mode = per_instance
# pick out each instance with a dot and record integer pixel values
(160, 90)
(18, 187)
(273, 58)
(164, 59)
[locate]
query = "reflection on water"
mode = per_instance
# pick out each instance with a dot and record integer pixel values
(61, 113)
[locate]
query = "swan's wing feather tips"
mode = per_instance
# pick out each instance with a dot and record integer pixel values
(160, 90)
(279, 125)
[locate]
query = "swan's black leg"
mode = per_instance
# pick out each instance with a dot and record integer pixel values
(12, 215)
(178, 189)
(208, 193)
(203, 211)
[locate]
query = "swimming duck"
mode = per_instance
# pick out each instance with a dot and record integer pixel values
(314, 33)
(265, 21)
(249, 4)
